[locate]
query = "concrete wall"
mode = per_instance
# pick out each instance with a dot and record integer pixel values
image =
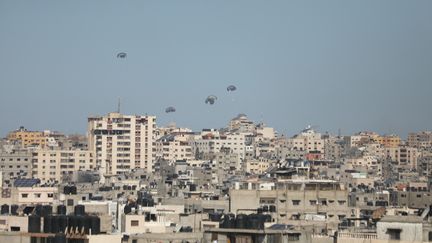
(409, 231)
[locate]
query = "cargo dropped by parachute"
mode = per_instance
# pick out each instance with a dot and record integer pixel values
(231, 88)
(210, 99)
(122, 55)
(170, 109)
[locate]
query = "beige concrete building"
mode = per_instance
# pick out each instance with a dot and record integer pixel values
(213, 143)
(420, 139)
(404, 156)
(257, 166)
(294, 200)
(17, 164)
(174, 147)
(241, 123)
(122, 142)
(308, 140)
(36, 195)
(52, 165)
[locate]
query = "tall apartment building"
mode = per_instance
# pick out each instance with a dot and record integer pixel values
(122, 142)
(52, 165)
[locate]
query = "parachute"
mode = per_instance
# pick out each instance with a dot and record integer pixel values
(122, 55)
(210, 99)
(170, 109)
(231, 88)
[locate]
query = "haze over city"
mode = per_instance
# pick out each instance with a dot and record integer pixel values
(340, 65)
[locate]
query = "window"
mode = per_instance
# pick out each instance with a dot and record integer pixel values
(37, 195)
(24, 195)
(312, 202)
(50, 195)
(134, 223)
(293, 237)
(70, 202)
(296, 202)
(394, 234)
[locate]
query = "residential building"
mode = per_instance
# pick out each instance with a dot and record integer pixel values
(122, 142)
(53, 165)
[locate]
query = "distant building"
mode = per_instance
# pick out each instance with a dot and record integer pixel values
(122, 142)
(405, 157)
(28, 138)
(52, 165)
(241, 124)
(420, 139)
(388, 140)
(14, 165)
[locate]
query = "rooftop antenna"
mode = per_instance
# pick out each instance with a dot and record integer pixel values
(118, 105)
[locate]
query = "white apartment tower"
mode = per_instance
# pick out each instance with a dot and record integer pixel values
(122, 142)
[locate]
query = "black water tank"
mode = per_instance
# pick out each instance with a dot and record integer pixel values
(215, 217)
(127, 209)
(60, 238)
(255, 221)
(47, 224)
(50, 239)
(62, 223)
(76, 222)
(267, 218)
(55, 224)
(228, 221)
(46, 210)
(87, 224)
(34, 224)
(95, 225)
(61, 209)
(272, 208)
(150, 202)
(66, 190)
(4, 209)
(192, 187)
(125, 187)
(265, 208)
(38, 210)
(241, 221)
(73, 190)
(259, 210)
(79, 210)
(14, 209)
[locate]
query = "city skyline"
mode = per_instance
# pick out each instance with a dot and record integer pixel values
(337, 65)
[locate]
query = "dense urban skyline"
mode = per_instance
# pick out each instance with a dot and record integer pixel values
(349, 65)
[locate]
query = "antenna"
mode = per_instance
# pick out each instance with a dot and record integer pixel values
(118, 105)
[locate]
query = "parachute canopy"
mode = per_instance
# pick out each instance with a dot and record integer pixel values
(231, 88)
(122, 55)
(170, 109)
(210, 99)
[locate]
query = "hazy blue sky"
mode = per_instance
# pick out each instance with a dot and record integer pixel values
(353, 65)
